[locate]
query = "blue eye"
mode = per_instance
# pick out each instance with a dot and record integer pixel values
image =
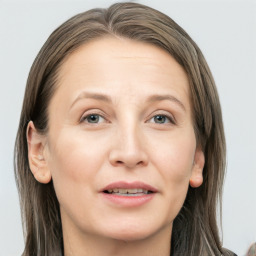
(93, 119)
(161, 119)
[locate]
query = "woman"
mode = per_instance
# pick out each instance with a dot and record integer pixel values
(120, 148)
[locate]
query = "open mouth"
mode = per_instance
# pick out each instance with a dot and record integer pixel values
(128, 192)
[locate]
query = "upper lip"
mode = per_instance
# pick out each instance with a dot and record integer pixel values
(127, 185)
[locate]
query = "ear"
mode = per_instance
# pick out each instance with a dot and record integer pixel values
(36, 154)
(196, 178)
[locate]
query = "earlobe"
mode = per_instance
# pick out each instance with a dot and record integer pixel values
(196, 178)
(36, 157)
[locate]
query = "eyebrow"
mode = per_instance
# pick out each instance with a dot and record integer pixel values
(155, 98)
(106, 98)
(89, 95)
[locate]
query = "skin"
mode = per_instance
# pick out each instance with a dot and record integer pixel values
(127, 142)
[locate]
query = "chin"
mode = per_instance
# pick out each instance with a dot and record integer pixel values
(130, 233)
(130, 237)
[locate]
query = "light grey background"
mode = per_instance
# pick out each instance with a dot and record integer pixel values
(226, 33)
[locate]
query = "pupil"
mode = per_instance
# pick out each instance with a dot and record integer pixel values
(93, 118)
(159, 119)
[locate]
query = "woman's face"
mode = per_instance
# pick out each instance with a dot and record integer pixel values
(121, 148)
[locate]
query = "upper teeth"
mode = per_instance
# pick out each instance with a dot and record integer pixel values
(128, 191)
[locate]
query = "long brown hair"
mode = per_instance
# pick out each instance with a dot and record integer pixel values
(195, 230)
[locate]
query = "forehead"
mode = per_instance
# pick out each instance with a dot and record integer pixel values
(119, 66)
(121, 51)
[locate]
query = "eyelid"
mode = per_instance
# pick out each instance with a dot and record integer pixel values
(163, 113)
(104, 116)
(93, 112)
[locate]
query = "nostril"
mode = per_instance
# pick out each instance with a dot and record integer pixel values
(129, 164)
(128, 158)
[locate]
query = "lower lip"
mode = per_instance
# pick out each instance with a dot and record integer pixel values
(128, 201)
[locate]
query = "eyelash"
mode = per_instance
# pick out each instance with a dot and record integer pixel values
(85, 118)
(169, 118)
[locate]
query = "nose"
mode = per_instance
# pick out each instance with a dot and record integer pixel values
(128, 150)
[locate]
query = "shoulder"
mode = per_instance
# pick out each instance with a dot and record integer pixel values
(227, 252)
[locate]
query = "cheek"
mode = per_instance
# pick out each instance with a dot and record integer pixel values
(74, 162)
(174, 161)
(74, 154)
(176, 155)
